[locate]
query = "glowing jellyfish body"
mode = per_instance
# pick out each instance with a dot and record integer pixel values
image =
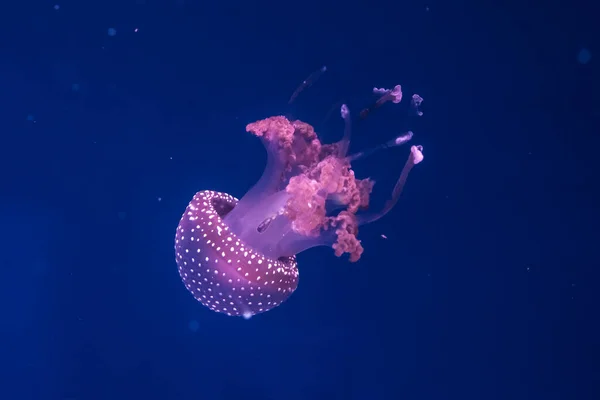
(239, 257)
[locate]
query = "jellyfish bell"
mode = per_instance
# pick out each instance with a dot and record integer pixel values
(238, 257)
(220, 269)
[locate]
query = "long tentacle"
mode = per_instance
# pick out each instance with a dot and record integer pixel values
(415, 157)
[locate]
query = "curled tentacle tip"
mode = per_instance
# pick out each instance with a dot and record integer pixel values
(344, 111)
(416, 153)
(401, 139)
(415, 103)
(396, 94)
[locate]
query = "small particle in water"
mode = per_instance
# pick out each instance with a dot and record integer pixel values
(135, 30)
(56, 7)
(584, 56)
(194, 325)
(31, 118)
(112, 31)
(160, 199)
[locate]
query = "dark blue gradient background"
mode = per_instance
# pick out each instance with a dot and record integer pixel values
(484, 289)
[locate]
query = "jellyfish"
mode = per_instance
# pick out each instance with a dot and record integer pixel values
(239, 256)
